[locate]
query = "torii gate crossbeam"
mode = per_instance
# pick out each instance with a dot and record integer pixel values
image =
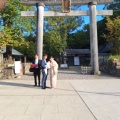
(59, 2)
(71, 13)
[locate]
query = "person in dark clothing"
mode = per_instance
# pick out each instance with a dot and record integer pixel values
(36, 62)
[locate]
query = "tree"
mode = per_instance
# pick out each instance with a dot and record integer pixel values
(113, 35)
(6, 37)
(101, 25)
(15, 28)
(80, 39)
(21, 44)
(11, 17)
(57, 30)
(101, 30)
(115, 6)
(52, 43)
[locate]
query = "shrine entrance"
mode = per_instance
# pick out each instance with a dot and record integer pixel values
(92, 13)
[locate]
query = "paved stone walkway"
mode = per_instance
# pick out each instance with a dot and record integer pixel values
(69, 74)
(77, 97)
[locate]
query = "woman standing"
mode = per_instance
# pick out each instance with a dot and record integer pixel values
(53, 72)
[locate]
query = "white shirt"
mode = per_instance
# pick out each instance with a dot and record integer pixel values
(36, 62)
(47, 67)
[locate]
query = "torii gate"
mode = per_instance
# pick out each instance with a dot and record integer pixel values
(66, 12)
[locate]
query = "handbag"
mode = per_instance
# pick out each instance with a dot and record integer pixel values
(31, 69)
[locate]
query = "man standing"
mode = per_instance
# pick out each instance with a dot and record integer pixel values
(36, 62)
(44, 71)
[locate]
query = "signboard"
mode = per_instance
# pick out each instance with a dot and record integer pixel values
(64, 66)
(66, 5)
(76, 60)
(17, 66)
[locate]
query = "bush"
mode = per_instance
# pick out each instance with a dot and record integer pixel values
(116, 56)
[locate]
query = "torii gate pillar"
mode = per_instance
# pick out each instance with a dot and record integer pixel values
(40, 23)
(93, 38)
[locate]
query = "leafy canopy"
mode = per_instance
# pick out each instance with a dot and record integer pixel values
(57, 30)
(14, 28)
(113, 35)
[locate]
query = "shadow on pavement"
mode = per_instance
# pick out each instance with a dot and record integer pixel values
(18, 84)
(69, 72)
(28, 74)
(32, 86)
(97, 93)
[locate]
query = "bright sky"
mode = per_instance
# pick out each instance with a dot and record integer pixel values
(86, 18)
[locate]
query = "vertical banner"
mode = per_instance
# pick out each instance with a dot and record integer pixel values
(76, 60)
(66, 5)
(17, 66)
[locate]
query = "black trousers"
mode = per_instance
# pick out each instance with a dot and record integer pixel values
(37, 74)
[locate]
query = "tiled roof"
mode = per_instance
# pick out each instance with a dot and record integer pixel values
(105, 48)
(14, 52)
(77, 51)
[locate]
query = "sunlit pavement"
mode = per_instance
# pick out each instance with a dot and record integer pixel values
(77, 97)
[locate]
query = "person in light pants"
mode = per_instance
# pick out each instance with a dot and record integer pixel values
(53, 72)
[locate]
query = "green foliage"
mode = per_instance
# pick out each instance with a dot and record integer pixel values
(113, 35)
(53, 43)
(14, 28)
(112, 57)
(6, 37)
(115, 6)
(101, 30)
(12, 17)
(21, 44)
(57, 30)
(28, 48)
(80, 39)
(101, 25)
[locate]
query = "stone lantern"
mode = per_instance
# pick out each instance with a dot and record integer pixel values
(64, 60)
(64, 57)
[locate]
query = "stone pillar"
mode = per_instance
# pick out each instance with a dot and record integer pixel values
(40, 23)
(93, 38)
(91, 51)
(1, 57)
